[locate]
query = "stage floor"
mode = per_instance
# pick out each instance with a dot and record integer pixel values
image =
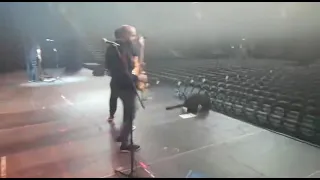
(59, 129)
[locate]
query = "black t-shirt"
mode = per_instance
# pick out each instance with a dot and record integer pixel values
(121, 76)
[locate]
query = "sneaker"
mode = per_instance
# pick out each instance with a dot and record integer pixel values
(128, 148)
(110, 119)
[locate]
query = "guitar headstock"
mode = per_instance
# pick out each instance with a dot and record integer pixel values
(141, 40)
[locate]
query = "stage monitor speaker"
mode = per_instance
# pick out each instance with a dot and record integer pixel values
(99, 71)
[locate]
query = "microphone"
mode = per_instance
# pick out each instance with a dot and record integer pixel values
(110, 42)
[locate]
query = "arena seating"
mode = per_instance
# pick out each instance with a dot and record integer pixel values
(270, 94)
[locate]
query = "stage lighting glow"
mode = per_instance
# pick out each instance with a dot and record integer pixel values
(49, 40)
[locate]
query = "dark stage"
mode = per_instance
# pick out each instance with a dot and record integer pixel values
(59, 129)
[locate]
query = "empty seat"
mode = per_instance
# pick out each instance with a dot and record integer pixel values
(228, 108)
(266, 108)
(205, 87)
(221, 85)
(308, 125)
(291, 120)
(262, 117)
(190, 85)
(251, 109)
(201, 86)
(276, 117)
(218, 104)
(219, 100)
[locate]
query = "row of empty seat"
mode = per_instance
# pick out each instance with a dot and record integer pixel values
(275, 95)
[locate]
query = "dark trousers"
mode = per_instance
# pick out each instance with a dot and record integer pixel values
(29, 70)
(127, 97)
(32, 71)
(113, 101)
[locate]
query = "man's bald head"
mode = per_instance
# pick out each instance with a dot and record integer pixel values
(126, 32)
(129, 28)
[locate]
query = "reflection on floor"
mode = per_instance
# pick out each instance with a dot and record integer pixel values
(59, 130)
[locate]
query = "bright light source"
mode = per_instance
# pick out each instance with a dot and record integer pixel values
(38, 51)
(243, 39)
(49, 40)
(54, 49)
(232, 47)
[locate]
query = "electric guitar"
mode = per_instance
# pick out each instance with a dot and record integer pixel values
(139, 67)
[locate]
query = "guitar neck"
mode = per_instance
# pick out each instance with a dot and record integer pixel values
(142, 54)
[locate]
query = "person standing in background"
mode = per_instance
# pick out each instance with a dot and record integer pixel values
(31, 60)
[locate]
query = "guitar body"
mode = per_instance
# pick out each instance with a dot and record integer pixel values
(139, 69)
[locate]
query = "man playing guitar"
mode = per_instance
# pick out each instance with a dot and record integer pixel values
(123, 65)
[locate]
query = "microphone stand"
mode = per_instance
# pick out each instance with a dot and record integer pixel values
(58, 75)
(55, 76)
(132, 155)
